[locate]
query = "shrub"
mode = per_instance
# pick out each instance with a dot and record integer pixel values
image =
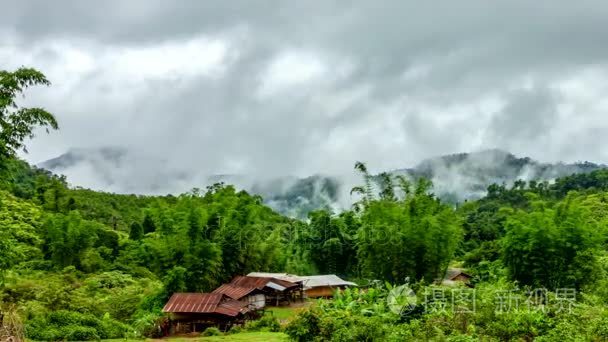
(266, 323)
(212, 331)
(73, 326)
(38, 331)
(236, 329)
(305, 327)
(79, 333)
(63, 318)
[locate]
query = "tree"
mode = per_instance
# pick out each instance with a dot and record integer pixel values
(195, 228)
(413, 237)
(553, 247)
(175, 281)
(137, 232)
(17, 123)
(388, 187)
(366, 190)
(7, 253)
(148, 224)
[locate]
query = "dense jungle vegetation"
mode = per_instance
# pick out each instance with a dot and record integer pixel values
(78, 264)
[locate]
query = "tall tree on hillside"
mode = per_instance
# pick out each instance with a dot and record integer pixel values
(366, 189)
(554, 247)
(18, 123)
(148, 224)
(137, 232)
(388, 187)
(413, 236)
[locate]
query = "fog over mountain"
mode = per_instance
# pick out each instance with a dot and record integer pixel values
(455, 177)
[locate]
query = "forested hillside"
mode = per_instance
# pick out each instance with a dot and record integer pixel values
(78, 264)
(83, 263)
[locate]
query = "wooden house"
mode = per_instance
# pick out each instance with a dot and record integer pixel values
(324, 285)
(194, 312)
(258, 291)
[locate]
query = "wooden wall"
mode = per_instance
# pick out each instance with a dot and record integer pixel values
(321, 291)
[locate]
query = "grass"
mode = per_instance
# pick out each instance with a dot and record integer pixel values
(245, 336)
(282, 313)
(249, 336)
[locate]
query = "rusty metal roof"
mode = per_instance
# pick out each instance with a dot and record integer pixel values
(234, 292)
(259, 282)
(204, 303)
(292, 278)
(242, 286)
(232, 307)
(193, 302)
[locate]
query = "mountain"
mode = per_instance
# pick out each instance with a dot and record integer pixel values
(463, 176)
(455, 177)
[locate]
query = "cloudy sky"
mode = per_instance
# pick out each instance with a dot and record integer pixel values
(300, 87)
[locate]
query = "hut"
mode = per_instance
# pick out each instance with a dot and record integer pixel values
(258, 291)
(194, 312)
(453, 276)
(324, 285)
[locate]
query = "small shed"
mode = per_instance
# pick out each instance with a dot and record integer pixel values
(194, 312)
(324, 285)
(453, 276)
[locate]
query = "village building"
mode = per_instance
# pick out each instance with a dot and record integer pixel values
(315, 286)
(454, 276)
(194, 312)
(318, 286)
(259, 291)
(292, 278)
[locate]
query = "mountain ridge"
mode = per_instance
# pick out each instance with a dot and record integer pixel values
(456, 177)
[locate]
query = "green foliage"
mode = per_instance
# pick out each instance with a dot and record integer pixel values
(212, 331)
(20, 223)
(73, 326)
(266, 323)
(18, 123)
(137, 232)
(305, 327)
(414, 237)
(332, 242)
(175, 281)
(364, 316)
(552, 247)
(148, 224)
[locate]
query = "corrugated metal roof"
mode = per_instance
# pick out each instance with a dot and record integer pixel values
(204, 303)
(277, 287)
(269, 275)
(281, 276)
(193, 302)
(259, 282)
(254, 282)
(242, 286)
(232, 307)
(234, 292)
(325, 280)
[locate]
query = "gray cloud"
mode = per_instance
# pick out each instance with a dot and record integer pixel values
(296, 88)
